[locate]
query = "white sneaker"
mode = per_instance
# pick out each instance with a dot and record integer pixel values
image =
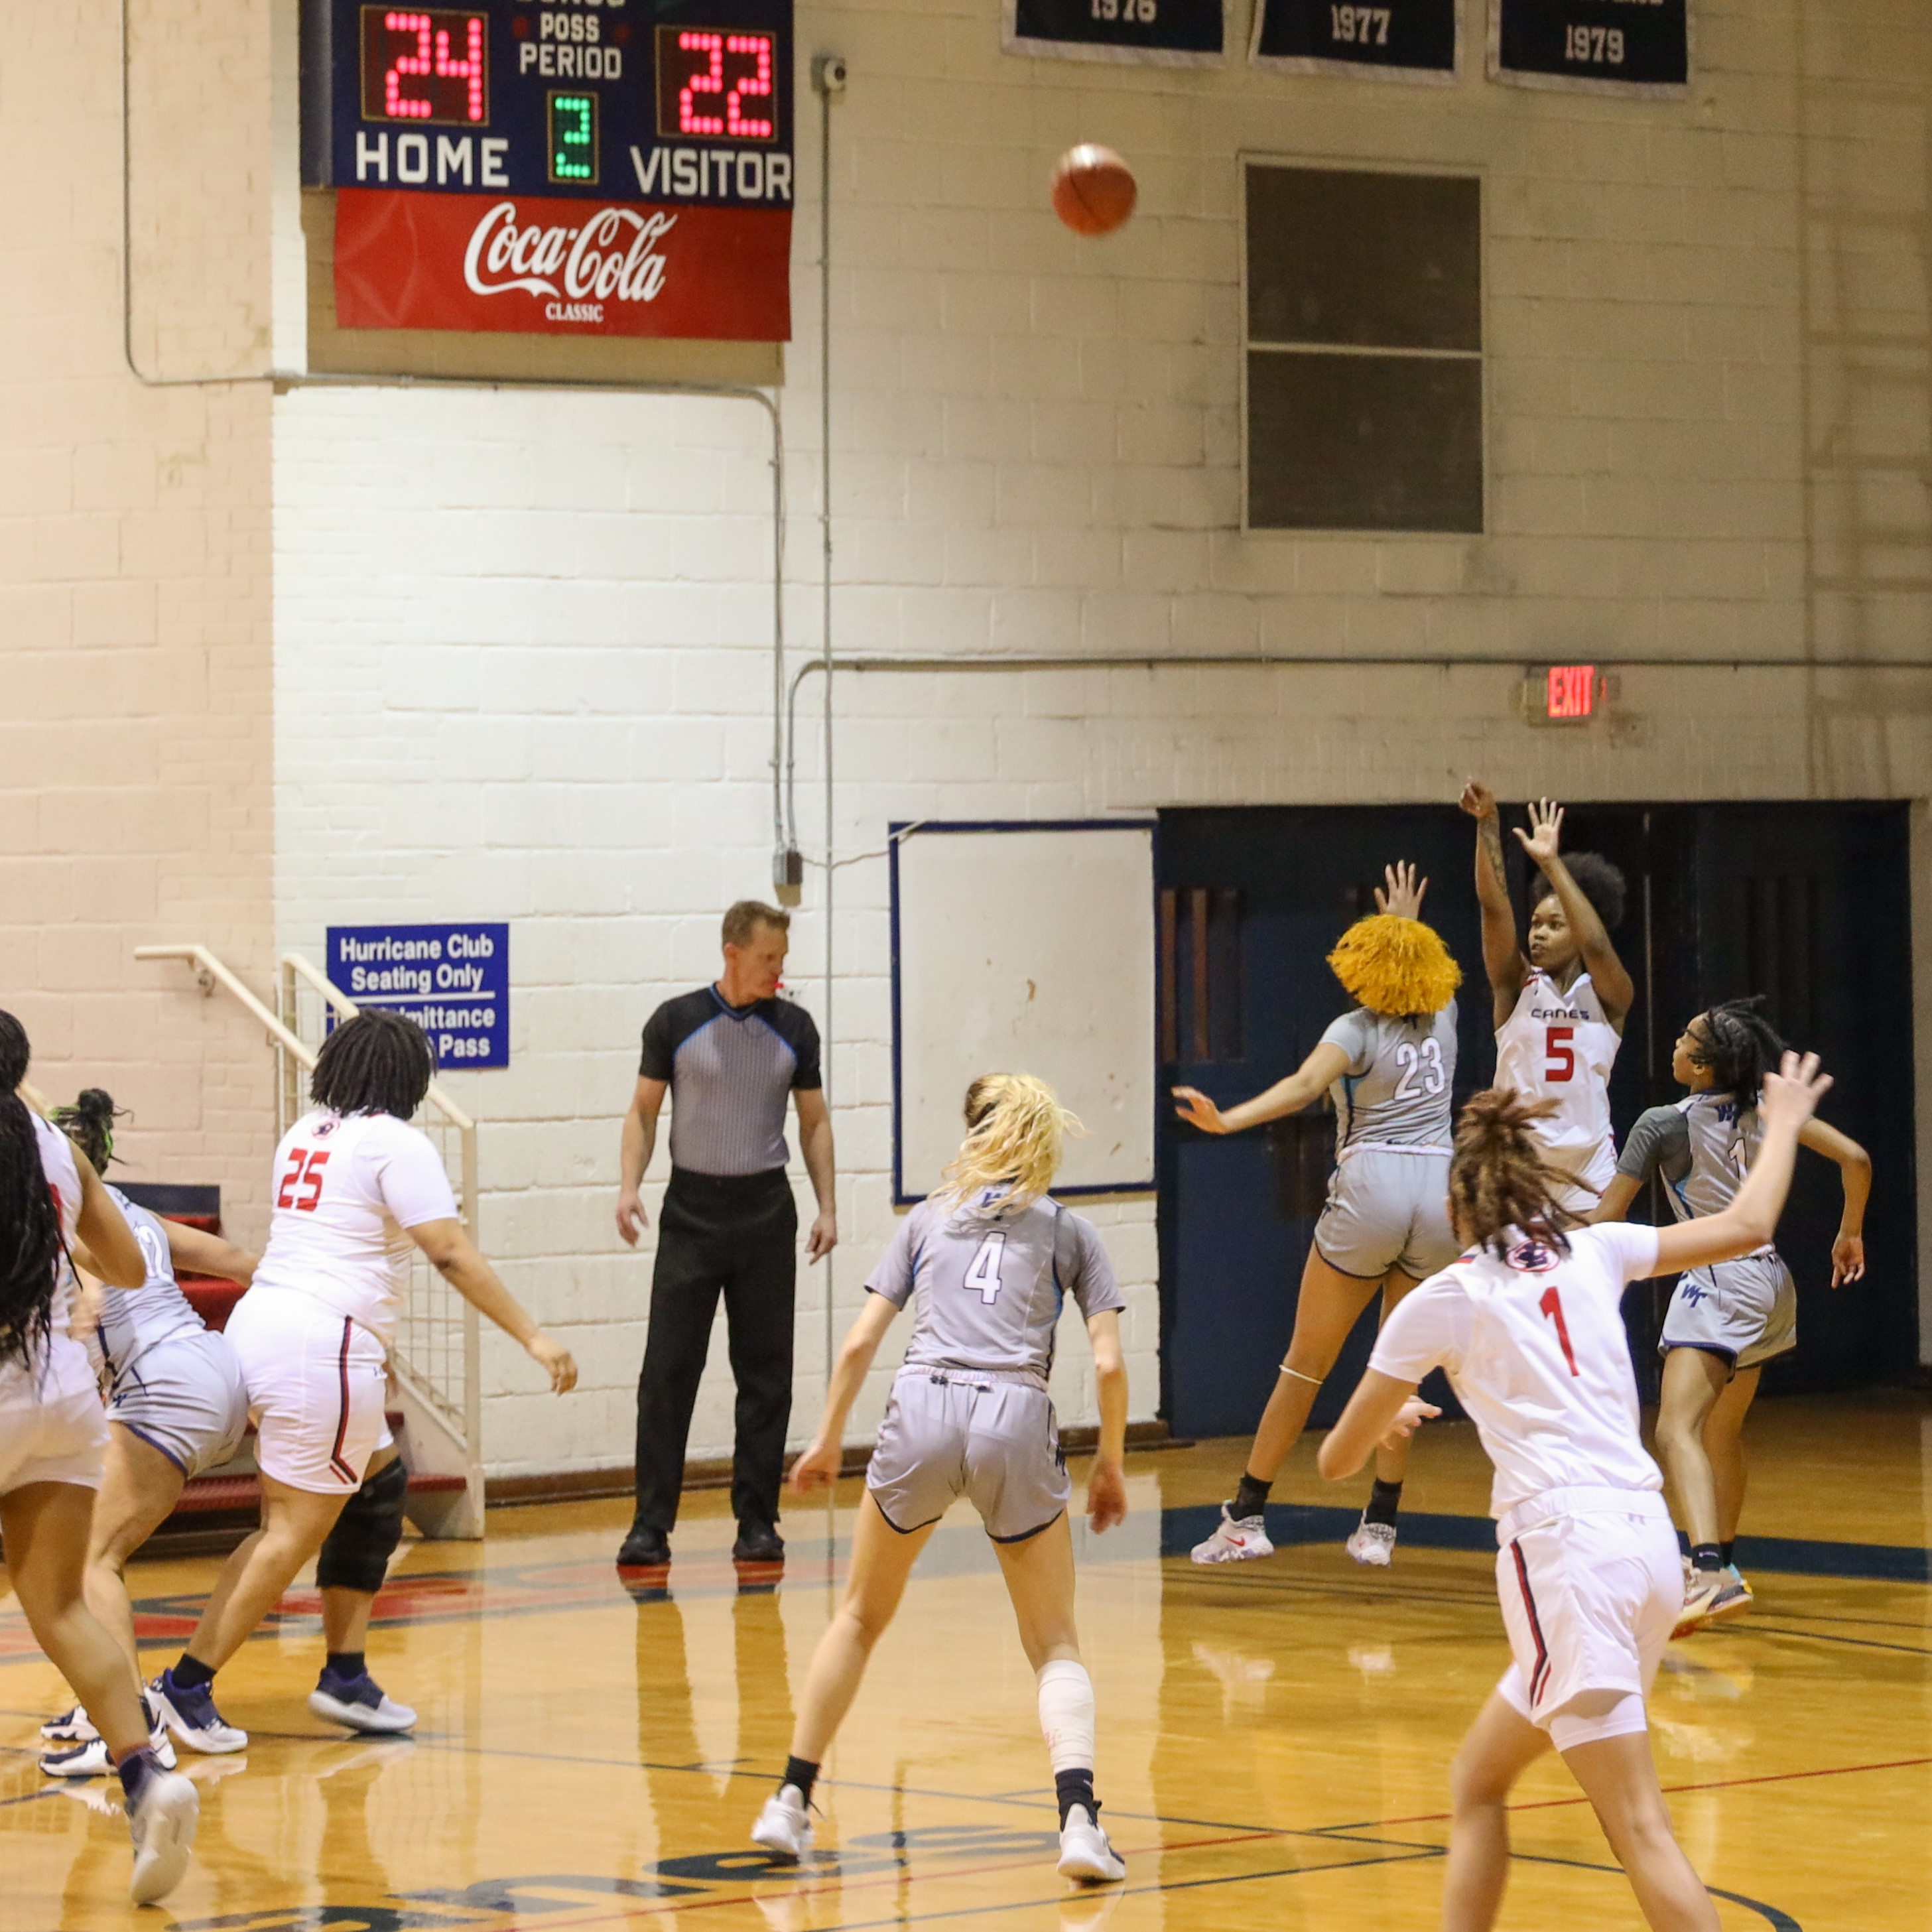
(163, 1824)
(192, 1716)
(784, 1826)
(370, 1708)
(1234, 1541)
(73, 1727)
(91, 1759)
(1084, 1852)
(1372, 1544)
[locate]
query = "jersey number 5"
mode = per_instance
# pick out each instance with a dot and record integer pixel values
(304, 1172)
(1559, 1058)
(1552, 1305)
(984, 1274)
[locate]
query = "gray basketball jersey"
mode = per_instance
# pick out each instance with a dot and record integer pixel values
(988, 1286)
(1397, 1088)
(134, 1319)
(1702, 1147)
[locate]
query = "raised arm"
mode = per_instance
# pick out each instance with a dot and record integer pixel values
(1106, 1481)
(1502, 952)
(1790, 1097)
(1613, 984)
(1848, 1249)
(640, 1138)
(1309, 1081)
(456, 1258)
(817, 1468)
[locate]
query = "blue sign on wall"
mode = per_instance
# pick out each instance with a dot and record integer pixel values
(454, 981)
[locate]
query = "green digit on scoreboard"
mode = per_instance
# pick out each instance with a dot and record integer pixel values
(573, 137)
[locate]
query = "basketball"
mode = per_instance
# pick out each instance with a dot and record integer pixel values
(1094, 190)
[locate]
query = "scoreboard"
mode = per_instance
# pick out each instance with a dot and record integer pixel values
(606, 166)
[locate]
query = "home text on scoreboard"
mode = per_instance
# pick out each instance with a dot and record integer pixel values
(536, 97)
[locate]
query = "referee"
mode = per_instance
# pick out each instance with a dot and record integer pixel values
(729, 1054)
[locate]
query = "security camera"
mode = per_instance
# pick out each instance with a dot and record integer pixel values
(828, 75)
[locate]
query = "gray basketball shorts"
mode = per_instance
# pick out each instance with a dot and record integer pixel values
(184, 1396)
(1745, 1311)
(1386, 1210)
(950, 1432)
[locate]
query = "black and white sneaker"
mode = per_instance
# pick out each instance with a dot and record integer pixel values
(73, 1727)
(1085, 1853)
(784, 1826)
(189, 1713)
(360, 1703)
(92, 1759)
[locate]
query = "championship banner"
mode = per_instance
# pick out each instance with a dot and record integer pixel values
(1165, 33)
(608, 167)
(1397, 39)
(1596, 46)
(549, 266)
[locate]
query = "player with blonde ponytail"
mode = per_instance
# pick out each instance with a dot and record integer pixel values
(987, 1261)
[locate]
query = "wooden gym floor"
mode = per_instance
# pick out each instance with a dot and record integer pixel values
(1274, 1737)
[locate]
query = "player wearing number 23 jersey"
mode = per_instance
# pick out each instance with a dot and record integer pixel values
(312, 1332)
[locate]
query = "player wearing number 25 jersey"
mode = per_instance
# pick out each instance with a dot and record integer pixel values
(1560, 1000)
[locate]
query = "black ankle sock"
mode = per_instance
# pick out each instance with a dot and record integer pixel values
(347, 1664)
(1073, 1788)
(799, 1772)
(1707, 1556)
(1249, 1496)
(1728, 1551)
(135, 1771)
(189, 1674)
(1385, 1499)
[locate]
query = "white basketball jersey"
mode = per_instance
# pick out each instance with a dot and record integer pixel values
(134, 1319)
(1534, 1347)
(1559, 1046)
(64, 1367)
(347, 1186)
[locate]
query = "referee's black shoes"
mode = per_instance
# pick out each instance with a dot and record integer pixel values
(644, 1548)
(757, 1543)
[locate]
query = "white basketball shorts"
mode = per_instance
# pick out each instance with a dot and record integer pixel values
(52, 1427)
(316, 1383)
(185, 1397)
(1589, 1601)
(1388, 1209)
(1745, 1311)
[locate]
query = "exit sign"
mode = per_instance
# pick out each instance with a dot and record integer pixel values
(1570, 692)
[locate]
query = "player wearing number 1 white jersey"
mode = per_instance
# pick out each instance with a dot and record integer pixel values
(1560, 1007)
(1529, 1327)
(1390, 1068)
(355, 1187)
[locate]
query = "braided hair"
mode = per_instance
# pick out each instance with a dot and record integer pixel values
(378, 1063)
(1015, 1130)
(1739, 1046)
(1498, 1180)
(31, 1245)
(89, 1124)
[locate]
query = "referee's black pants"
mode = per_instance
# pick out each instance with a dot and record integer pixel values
(735, 1235)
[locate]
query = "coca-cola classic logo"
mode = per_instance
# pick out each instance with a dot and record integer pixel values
(612, 256)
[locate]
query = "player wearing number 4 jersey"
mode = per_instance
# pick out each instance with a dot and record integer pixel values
(1559, 1011)
(356, 1186)
(987, 1262)
(1529, 1327)
(1390, 1067)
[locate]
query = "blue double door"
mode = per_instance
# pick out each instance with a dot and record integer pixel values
(1807, 904)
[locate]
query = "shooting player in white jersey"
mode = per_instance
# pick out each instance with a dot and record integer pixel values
(356, 1186)
(1726, 1320)
(1390, 1067)
(53, 1208)
(986, 1262)
(1529, 1326)
(1560, 1011)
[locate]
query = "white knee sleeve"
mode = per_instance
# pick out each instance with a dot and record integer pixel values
(1067, 1714)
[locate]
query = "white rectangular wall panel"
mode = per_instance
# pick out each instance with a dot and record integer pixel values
(1025, 949)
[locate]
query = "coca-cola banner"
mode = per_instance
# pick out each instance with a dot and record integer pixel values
(547, 266)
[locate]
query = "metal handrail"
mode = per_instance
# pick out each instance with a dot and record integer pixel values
(211, 973)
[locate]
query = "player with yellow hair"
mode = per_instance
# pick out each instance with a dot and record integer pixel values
(1390, 1066)
(986, 1262)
